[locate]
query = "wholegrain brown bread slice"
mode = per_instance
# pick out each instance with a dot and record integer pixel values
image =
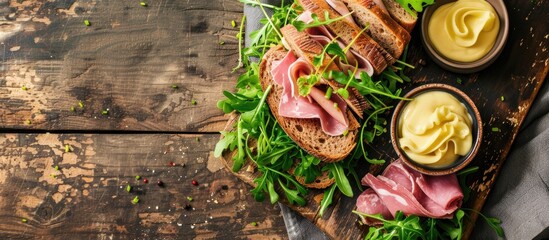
(346, 31)
(397, 12)
(381, 27)
(306, 133)
(304, 46)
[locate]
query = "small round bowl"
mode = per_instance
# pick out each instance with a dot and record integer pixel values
(466, 67)
(476, 128)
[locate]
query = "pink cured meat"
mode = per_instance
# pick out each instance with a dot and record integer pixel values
(285, 73)
(323, 36)
(370, 203)
(403, 189)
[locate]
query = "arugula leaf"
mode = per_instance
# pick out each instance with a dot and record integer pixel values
(272, 193)
(336, 172)
(304, 84)
(292, 195)
(227, 142)
(417, 5)
(326, 200)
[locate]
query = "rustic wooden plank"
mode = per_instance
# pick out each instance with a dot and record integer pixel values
(86, 197)
(126, 61)
(517, 75)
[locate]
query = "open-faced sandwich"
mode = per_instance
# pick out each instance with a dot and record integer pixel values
(328, 71)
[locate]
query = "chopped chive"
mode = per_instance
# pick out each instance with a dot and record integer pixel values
(346, 132)
(28, 122)
(73, 109)
(56, 167)
(233, 23)
(221, 43)
(24, 88)
(128, 188)
(105, 112)
(87, 22)
(189, 198)
(135, 200)
(502, 98)
(335, 105)
(24, 220)
(238, 35)
(174, 86)
(137, 177)
(329, 93)
(459, 81)
(81, 104)
(53, 175)
(67, 148)
(144, 4)
(253, 224)
(496, 129)
(193, 102)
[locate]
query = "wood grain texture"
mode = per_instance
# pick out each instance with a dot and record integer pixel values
(87, 199)
(126, 61)
(517, 75)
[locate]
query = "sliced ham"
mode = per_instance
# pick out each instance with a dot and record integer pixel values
(340, 7)
(370, 203)
(323, 36)
(285, 73)
(401, 188)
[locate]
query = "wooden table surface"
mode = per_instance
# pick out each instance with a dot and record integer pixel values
(106, 92)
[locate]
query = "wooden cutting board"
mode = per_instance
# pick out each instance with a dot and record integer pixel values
(517, 75)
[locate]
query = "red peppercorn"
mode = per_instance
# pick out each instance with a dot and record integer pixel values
(160, 183)
(171, 164)
(194, 182)
(145, 180)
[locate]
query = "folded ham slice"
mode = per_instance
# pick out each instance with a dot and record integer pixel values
(401, 188)
(330, 112)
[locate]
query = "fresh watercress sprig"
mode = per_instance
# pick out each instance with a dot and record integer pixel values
(417, 5)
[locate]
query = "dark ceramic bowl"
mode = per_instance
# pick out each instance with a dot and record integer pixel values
(466, 67)
(476, 128)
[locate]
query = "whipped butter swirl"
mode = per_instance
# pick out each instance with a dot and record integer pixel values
(464, 30)
(434, 129)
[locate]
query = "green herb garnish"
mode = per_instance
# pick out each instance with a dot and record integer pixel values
(105, 112)
(28, 122)
(459, 81)
(254, 224)
(174, 86)
(72, 109)
(81, 104)
(67, 148)
(24, 220)
(417, 5)
(233, 23)
(137, 177)
(193, 102)
(87, 22)
(128, 188)
(190, 199)
(135, 200)
(502, 98)
(24, 88)
(496, 129)
(144, 4)
(56, 167)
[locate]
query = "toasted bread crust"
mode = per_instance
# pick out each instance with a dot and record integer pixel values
(386, 31)
(364, 44)
(306, 133)
(405, 19)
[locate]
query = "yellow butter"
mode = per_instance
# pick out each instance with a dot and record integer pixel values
(434, 129)
(464, 30)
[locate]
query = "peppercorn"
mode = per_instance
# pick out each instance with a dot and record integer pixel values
(194, 182)
(145, 180)
(160, 183)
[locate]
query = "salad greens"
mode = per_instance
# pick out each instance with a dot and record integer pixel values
(257, 137)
